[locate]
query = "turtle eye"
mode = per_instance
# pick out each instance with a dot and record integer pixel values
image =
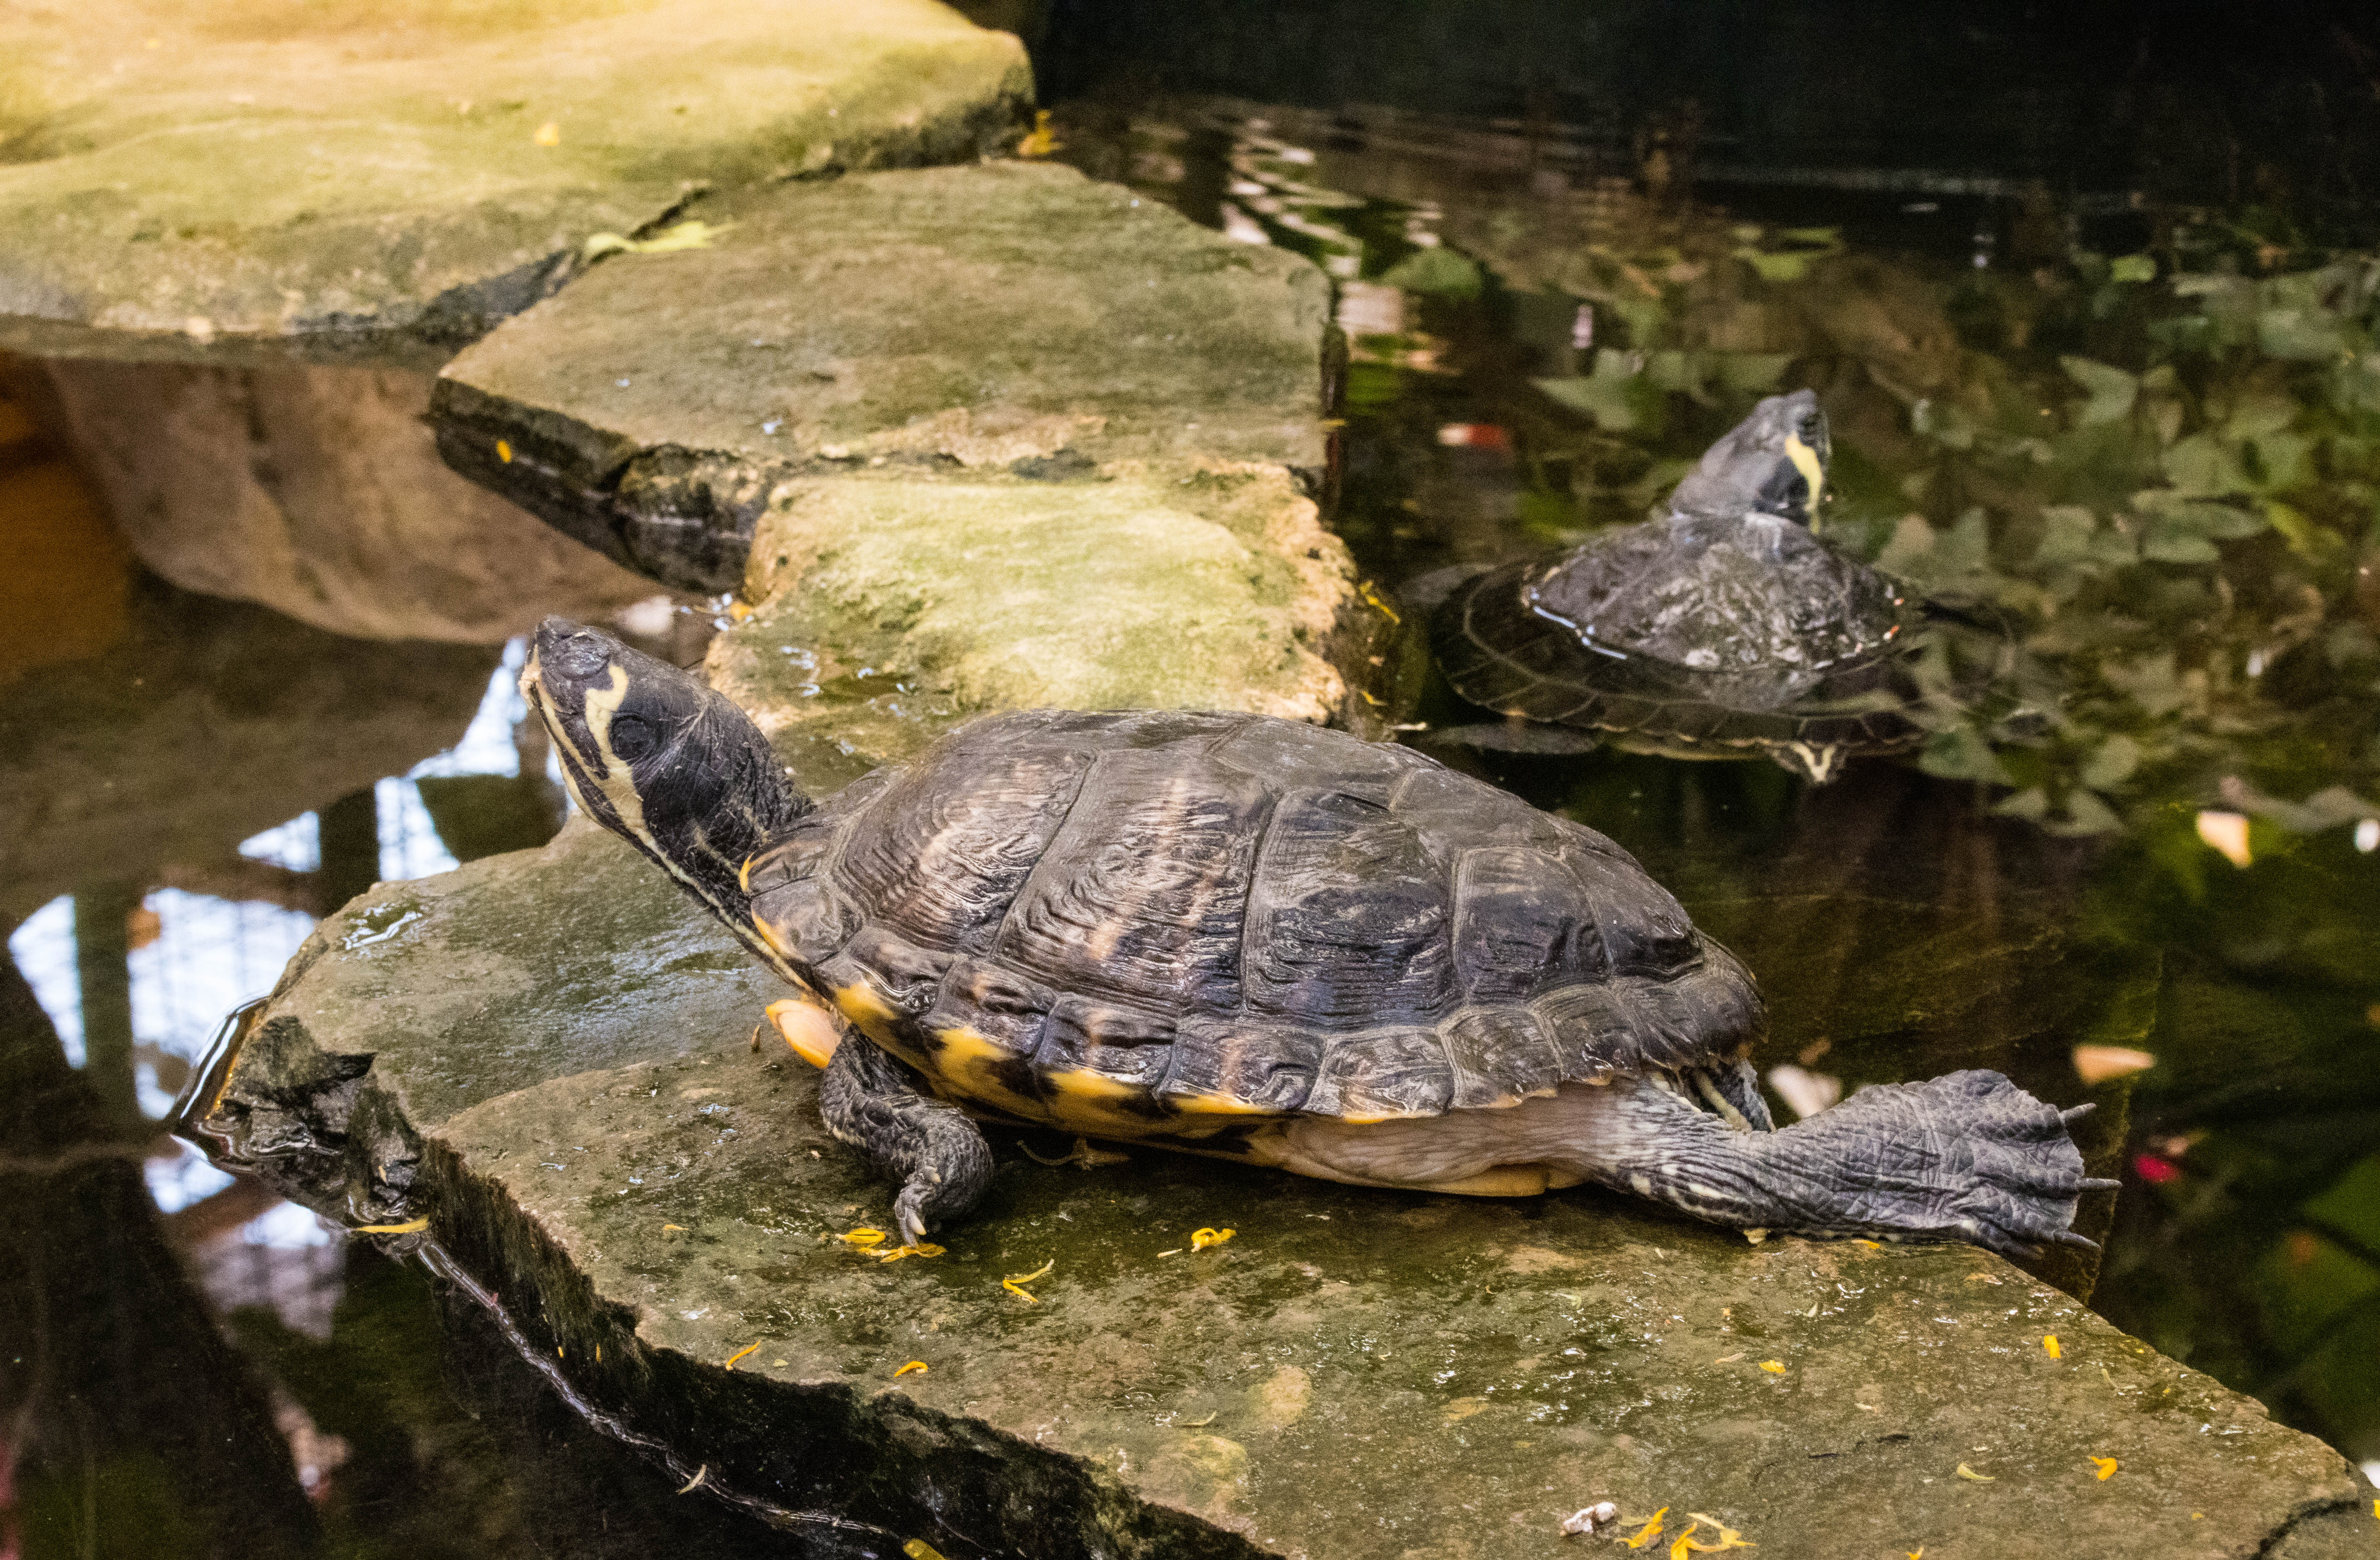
(633, 736)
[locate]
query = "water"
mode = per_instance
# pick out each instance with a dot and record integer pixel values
(2156, 833)
(2179, 863)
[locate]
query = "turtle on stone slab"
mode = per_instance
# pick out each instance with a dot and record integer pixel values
(1245, 936)
(1728, 628)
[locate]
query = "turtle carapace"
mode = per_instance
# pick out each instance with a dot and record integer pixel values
(1725, 629)
(1241, 936)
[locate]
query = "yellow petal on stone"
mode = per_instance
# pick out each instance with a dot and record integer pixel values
(918, 1549)
(2097, 1064)
(862, 1237)
(2106, 1467)
(922, 1249)
(2049, 1345)
(408, 1227)
(1685, 1542)
(1650, 1531)
(1013, 1282)
(747, 1348)
(1966, 1472)
(1202, 1238)
(920, 1366)
(548, 134)
(504, 452)
(1728, 1537)
(1774, 1367)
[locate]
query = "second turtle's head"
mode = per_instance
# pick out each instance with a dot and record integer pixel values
(660, 759)
(1774, 462)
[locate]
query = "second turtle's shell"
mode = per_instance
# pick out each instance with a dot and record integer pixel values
(1157, 924)
(1697, 634)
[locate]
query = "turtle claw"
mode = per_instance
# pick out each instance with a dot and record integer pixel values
(2073, 1114)
(2101, 1183)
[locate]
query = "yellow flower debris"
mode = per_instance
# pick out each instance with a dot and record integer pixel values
(747, 1348)
(1650, 1531)
(2106, 1467)
(918, 1365)
(1372, 598)
(1041, 141)
(922, 1249)
(918, 1549)
(1202, 1238)
(1728, 1537)
(1774, 1367)
(504, 452)
(1871, 1245)
(1966, 1472)
(2049, 1342)
(738, 610)
(409, 1227)
(1012, 1284)
(548, 134)
(863, 1236)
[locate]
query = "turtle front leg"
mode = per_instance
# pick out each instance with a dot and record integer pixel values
(1967, 1156)
(872, 1102)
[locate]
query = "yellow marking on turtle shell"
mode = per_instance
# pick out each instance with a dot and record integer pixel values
(809, 1028)
(1805, 461)
(1216, 1105)
(872, 1014)
(775, 940)
(743, 881)
(965, 1067)
(1086, 1102)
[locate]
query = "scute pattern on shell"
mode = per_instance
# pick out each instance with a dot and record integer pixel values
(1179, 912)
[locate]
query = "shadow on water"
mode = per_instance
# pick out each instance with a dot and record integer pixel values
(2142, 869)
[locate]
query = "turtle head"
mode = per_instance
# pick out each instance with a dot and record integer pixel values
(1774, 462)
(660, 759)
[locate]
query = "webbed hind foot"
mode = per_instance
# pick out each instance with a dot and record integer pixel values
(1966, 1156)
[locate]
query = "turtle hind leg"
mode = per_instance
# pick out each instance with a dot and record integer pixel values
(872, 1102)
(1968, 1156)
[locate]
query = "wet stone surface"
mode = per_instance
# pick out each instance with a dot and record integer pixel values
(1009, 321)
(228, 180)
(546, 1055)
(887, 607)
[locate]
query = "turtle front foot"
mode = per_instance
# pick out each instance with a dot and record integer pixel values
(1966, 1156)
(872, 1102)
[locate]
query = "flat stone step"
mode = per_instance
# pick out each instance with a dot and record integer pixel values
(223, 180)
(547, 1055)
(1011, 322)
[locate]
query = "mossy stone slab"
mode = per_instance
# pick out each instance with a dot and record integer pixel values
(359, 180)
(1011, 318)
(547, 1055)
(889, 607)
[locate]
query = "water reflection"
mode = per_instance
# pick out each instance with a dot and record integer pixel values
(2147, 435)
(186, 784)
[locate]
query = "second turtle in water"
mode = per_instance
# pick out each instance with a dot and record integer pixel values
(1724, 630)
(1244, 937)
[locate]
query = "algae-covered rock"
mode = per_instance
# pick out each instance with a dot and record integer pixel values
(1010, 318)
(230, 178)
(548, 1056)
(956, 596)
